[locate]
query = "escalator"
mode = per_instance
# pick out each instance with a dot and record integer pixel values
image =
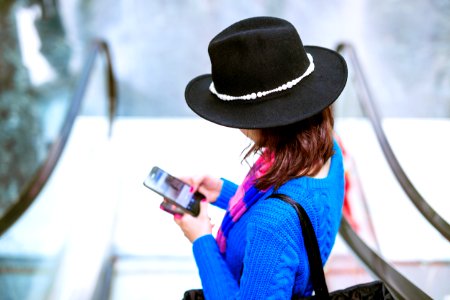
(400, 286)
(41, 98)
(32, 270)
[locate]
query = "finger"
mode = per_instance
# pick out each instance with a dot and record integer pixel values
(188, 180)
(193, 182)
(187, 218)
(178, 219)
(202, 189)
(204, 208)
(196, 182)
(200, 182)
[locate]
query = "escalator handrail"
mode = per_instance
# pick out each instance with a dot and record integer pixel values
(370, 109)
(43, 173)
(398, 285)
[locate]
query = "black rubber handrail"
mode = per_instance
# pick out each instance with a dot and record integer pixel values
(371, 111)
(398, 285)
(40, 178)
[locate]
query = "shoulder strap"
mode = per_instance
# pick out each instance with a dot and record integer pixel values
(312, 247)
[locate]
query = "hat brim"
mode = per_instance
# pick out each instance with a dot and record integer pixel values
(313, 94)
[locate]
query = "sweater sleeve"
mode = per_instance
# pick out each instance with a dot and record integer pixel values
(228, 190)
(217, 280)
(270, 265)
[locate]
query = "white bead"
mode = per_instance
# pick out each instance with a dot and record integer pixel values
(255, 95)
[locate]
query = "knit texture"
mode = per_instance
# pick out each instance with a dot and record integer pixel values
(246, 195)
(265, 256)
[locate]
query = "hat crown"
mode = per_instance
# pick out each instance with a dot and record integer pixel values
(256, 54)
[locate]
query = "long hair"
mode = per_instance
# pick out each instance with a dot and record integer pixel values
(299, 149)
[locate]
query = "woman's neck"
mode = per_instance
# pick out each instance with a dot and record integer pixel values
(323, 172)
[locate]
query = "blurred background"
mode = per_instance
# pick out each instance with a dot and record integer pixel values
(92, 96)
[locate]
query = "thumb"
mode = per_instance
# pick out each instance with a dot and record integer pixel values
(195, 182)
(205, 192)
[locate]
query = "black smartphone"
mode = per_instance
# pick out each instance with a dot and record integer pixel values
(174, 190)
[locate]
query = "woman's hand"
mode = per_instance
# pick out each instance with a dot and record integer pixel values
(209, 186)
(195, 227)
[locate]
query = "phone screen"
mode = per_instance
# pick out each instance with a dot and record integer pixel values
(174, 190)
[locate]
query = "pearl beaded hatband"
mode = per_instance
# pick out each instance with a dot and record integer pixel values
(255, 95)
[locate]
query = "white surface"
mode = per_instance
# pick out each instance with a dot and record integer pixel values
(86, 176)
(145, 279)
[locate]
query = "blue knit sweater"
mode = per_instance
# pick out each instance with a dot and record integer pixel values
(265, 256)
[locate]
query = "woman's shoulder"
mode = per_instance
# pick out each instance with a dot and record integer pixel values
(275, 218)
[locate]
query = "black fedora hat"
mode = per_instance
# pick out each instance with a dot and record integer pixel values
(262, 76)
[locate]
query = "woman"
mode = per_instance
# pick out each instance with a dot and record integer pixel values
(278, 93)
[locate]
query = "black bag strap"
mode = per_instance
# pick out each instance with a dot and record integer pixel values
(312, 247)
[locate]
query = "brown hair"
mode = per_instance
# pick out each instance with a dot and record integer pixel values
(299, 149)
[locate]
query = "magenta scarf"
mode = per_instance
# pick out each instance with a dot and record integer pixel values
(246, 195)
